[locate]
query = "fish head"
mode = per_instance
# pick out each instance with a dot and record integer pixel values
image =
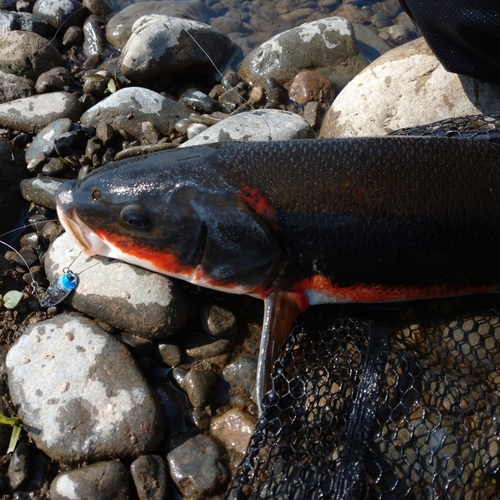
(178, 213)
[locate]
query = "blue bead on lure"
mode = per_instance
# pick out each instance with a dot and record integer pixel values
(59, 289)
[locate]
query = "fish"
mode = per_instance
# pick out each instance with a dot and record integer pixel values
(302, 222)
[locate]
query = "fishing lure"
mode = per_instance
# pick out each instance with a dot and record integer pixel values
(59, 289)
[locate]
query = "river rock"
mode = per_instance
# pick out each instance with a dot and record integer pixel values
(130, 298)
(27, 54)
(151, 477)
(164, 49)
(119, 27)
(41, 190)
(257, 125)
(100, 481)
(200, 385)
(12, 170)
(53, 80)
(79, 394)
(405, 87)
(57, 12)
(240, 374)
(327, 46)
(129, 107)
(32, 114)
(44, 140)
(14, 87)
(102, 8)
(24, 21)
(233, 429)
(197, 467)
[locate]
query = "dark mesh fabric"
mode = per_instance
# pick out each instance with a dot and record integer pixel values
(464, 34)
(435, 432)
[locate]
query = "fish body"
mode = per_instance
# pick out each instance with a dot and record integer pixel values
(302, 222)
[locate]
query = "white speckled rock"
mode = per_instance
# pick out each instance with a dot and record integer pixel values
(165, 48)
(32, 114)
(41, 190)
(327, 46)
(138, 301)
(143, 104)
(258, 125)
(405, 87)
(79, 394)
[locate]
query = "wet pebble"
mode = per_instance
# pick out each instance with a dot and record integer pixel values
(218, 321)
(200, 385)
(197, 467)
(24, 21)
(53, 80)
(44, 140)
(233, 429)
(32, 114)
(310, 86)
(119, 27)
(240, 374)
(311, 113)
(199, 100)
(150, 476)
(152, 51)
(100, 481)
(79, 394)
(170, 354)
(41, 190)
(204, 346)
(57, 12)
(103, 8)
(257, 125)
(174, 404)
(19, 466)
(94, 39)
(130, 106)
(130, 298)
(194, 129)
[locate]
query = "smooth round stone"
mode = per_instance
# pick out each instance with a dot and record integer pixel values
(119, 27)
(32, 114)
(71, 142)
(24, 21)
(100, 481)
(79, 394)
(151, 478)
(395, 90)
(44, 140)
(199, 101)
(14, 87)
(130, 298)
(203, 346)
(328, 45)
(102, 8)
(57, 12)
(194, 129)
(233, 429)
(257, 125)
(94, 40)
(27, 54)
(53, 80)
(241, 374)
(41, 190)
(218, 321)
(310, 86)
(197, 467)
(143, 105)
(200, 385)
(167, 48)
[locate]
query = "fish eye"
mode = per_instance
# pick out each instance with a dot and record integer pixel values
(96, 194)
(135, 216)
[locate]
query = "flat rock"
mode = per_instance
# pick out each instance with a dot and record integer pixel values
(60, 12)
(164, 48)
(119, 27)
(132, 299)
(27, 54)
(100, 481)
(23, 21)
(14, 87)
(405, 87)
(44, 140)
(257, 125)
(327, 46)
(143, 105)
(41, 190)
(32, 114)
(79, 394)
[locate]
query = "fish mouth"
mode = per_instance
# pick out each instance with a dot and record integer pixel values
(86, 239)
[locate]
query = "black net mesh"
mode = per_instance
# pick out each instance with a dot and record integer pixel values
(434, 432)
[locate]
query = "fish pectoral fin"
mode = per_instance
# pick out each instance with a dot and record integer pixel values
(281, 309)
